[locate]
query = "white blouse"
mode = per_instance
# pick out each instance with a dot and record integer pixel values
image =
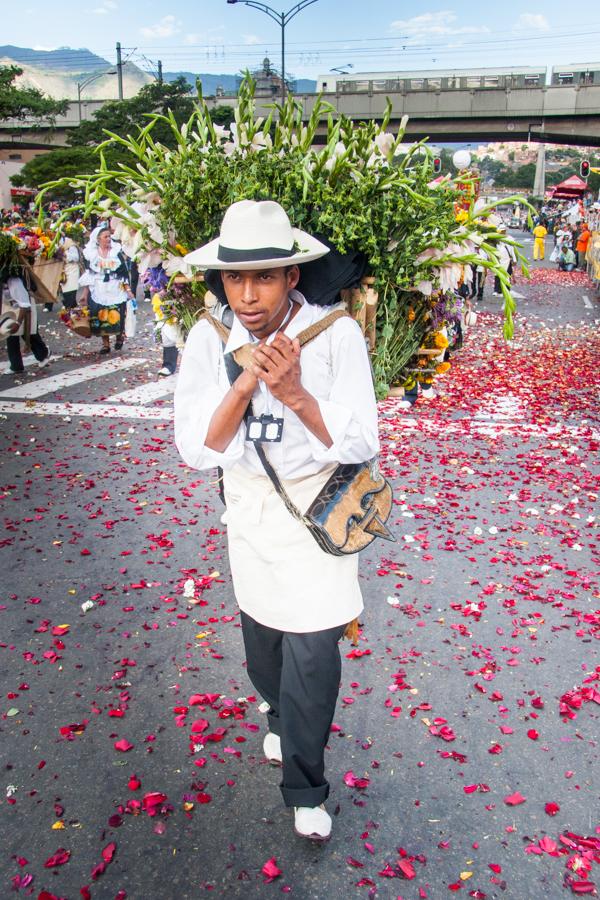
(335, 369)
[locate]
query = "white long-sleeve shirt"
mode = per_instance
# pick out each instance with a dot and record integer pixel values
(335, 369)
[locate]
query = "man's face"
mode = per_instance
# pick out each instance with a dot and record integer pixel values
(258, 297)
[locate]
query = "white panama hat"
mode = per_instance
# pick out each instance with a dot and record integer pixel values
(257, 234)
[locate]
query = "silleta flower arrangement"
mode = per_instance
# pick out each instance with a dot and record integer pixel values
(362, 189)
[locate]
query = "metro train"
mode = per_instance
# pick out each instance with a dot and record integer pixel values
(505, 78)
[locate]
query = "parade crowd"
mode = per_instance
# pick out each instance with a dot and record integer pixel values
(98, 286)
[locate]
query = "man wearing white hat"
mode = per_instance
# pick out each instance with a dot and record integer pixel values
(310, 410)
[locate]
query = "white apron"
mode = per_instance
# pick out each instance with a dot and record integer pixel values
(281, 577)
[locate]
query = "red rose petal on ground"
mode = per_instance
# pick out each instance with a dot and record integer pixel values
(271, 870)
(123, 745)
(57, 859)
(583, 887)
(532, 734)
(109, 851)
(152, 800)
(514, 799)
(134, 783)
(406, 868)
(551, 809)
(353, 781)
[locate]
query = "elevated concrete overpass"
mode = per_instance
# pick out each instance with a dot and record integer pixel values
(562, 114)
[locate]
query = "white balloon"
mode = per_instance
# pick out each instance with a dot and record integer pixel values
(462, 159)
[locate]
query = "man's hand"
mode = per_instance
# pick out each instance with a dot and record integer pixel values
(278, 365)
(14, 327)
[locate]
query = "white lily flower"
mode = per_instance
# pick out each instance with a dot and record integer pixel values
(149, 260)
(384, 142)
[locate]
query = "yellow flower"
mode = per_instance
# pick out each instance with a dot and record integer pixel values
(442, 367)
(156, 303)
(440, 341)
(181, 249)
(411, 314)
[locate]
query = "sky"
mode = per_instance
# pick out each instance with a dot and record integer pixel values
(355, 35)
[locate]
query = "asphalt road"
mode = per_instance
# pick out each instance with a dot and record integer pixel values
(483, 615)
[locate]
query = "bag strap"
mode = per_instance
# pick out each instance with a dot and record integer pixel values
(242, 354)
(275, 481)
(234, 367)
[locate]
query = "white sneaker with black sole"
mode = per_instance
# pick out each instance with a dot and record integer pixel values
(313, 823)
(44, 362)
(272, 748)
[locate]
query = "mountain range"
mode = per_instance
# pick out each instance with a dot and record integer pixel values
(58, 73)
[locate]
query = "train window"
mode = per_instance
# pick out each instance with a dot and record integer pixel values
(491, 81)
(473, 81)
(434, 84)
(417, 84)
(532, 80)
(565, 78)
(324, 86)
(379, 85)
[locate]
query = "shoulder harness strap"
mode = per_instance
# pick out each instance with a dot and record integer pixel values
(242, 355)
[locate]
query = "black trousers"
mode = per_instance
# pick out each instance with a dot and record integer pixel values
(13, 349)
(170, 355)
(299, 677)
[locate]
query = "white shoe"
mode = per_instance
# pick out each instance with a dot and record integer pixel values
(428, 393)
(272, 748)
(164, 372)
(44, 362)
(312, 823)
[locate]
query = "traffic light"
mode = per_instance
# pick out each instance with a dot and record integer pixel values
(437, 165)
(584, 168)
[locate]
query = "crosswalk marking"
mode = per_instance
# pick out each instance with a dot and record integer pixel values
(146, 393)
(95, 410)
(38, 388)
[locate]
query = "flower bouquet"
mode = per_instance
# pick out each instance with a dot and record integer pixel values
(362, 189)
(77, 320)
(33, 244)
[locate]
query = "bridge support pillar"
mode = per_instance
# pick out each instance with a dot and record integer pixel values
(539, 182)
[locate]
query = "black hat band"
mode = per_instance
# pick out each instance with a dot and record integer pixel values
(229, 255)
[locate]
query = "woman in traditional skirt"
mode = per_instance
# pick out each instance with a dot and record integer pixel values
(106, 287)
(295, 599)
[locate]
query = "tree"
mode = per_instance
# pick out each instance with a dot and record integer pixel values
(124, 117)
(22, 103)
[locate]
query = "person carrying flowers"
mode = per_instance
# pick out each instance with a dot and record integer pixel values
(310, 411)
(106, 287)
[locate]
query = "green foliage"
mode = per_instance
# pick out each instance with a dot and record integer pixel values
(21, 103)
(356, 190)
(10, 265)
(59, 166)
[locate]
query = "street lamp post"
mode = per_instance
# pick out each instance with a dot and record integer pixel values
(81, 85)
(282, 20)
